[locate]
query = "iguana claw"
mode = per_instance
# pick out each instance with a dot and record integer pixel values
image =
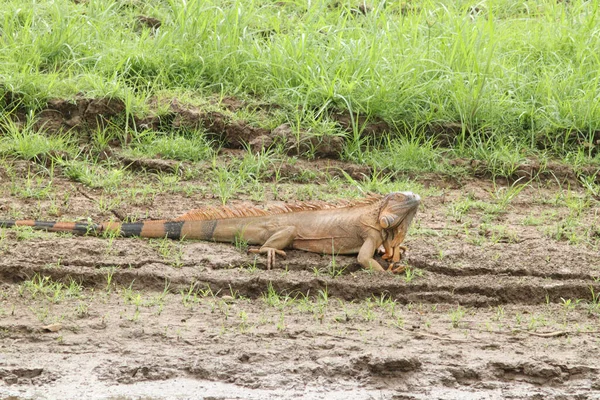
(270, 254)
(398, 270)
(395, 253)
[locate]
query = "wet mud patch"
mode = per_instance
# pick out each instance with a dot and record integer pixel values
(336, 347)
(387, 365)
(133, 373)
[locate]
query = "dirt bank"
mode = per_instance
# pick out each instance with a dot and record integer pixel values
(497, 303)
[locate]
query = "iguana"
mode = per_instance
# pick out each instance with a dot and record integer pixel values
(359, 227)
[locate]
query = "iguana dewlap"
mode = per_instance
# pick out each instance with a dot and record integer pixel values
(358, 227)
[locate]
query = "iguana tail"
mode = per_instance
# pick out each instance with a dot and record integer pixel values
(152, 229)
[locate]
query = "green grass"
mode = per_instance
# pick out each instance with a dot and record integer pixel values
(23, 141)
(405, 154)
(49, 289)
(519, 76)
(95, 174)
(174, 147)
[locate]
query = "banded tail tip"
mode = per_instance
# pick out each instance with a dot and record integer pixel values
(80, 228)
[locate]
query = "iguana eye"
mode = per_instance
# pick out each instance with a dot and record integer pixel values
(400, 196)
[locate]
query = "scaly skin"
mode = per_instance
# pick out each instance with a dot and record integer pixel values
(360, 228)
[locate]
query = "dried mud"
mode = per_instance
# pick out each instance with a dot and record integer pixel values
(488, 313)
(494, 305)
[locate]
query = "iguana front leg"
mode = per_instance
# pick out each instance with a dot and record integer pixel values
(275, 244)
(395, 253)
(365, 255)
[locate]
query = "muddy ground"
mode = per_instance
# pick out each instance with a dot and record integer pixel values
(494, 304)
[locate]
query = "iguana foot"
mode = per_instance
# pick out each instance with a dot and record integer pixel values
(395, 254)
(398, 270)
(270, 252)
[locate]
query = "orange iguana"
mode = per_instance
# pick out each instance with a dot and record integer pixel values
(360, 227)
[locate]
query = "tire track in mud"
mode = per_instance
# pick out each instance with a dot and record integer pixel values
(404, 359)
(471, 276)
(441, 269)
(481, 290)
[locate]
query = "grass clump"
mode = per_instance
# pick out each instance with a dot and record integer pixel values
(24, 142)
(94, 175)
(405, 154)
(52, 290)
(519, 77)
(176, 147)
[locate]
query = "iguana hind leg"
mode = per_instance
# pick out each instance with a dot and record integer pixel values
(270, 252)
(275, 244)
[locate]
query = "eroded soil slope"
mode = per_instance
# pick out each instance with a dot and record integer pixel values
(499, 299)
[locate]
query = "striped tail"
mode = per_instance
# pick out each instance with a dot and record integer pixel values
(77, 228)
(150, 229)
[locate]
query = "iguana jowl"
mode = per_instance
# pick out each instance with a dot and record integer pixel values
(359, 227)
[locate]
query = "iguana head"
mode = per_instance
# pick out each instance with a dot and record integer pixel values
(395, 215)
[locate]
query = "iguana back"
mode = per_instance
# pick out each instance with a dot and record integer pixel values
(341, 228)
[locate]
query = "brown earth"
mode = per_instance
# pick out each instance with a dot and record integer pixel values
(492, 306)
(218, 120)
